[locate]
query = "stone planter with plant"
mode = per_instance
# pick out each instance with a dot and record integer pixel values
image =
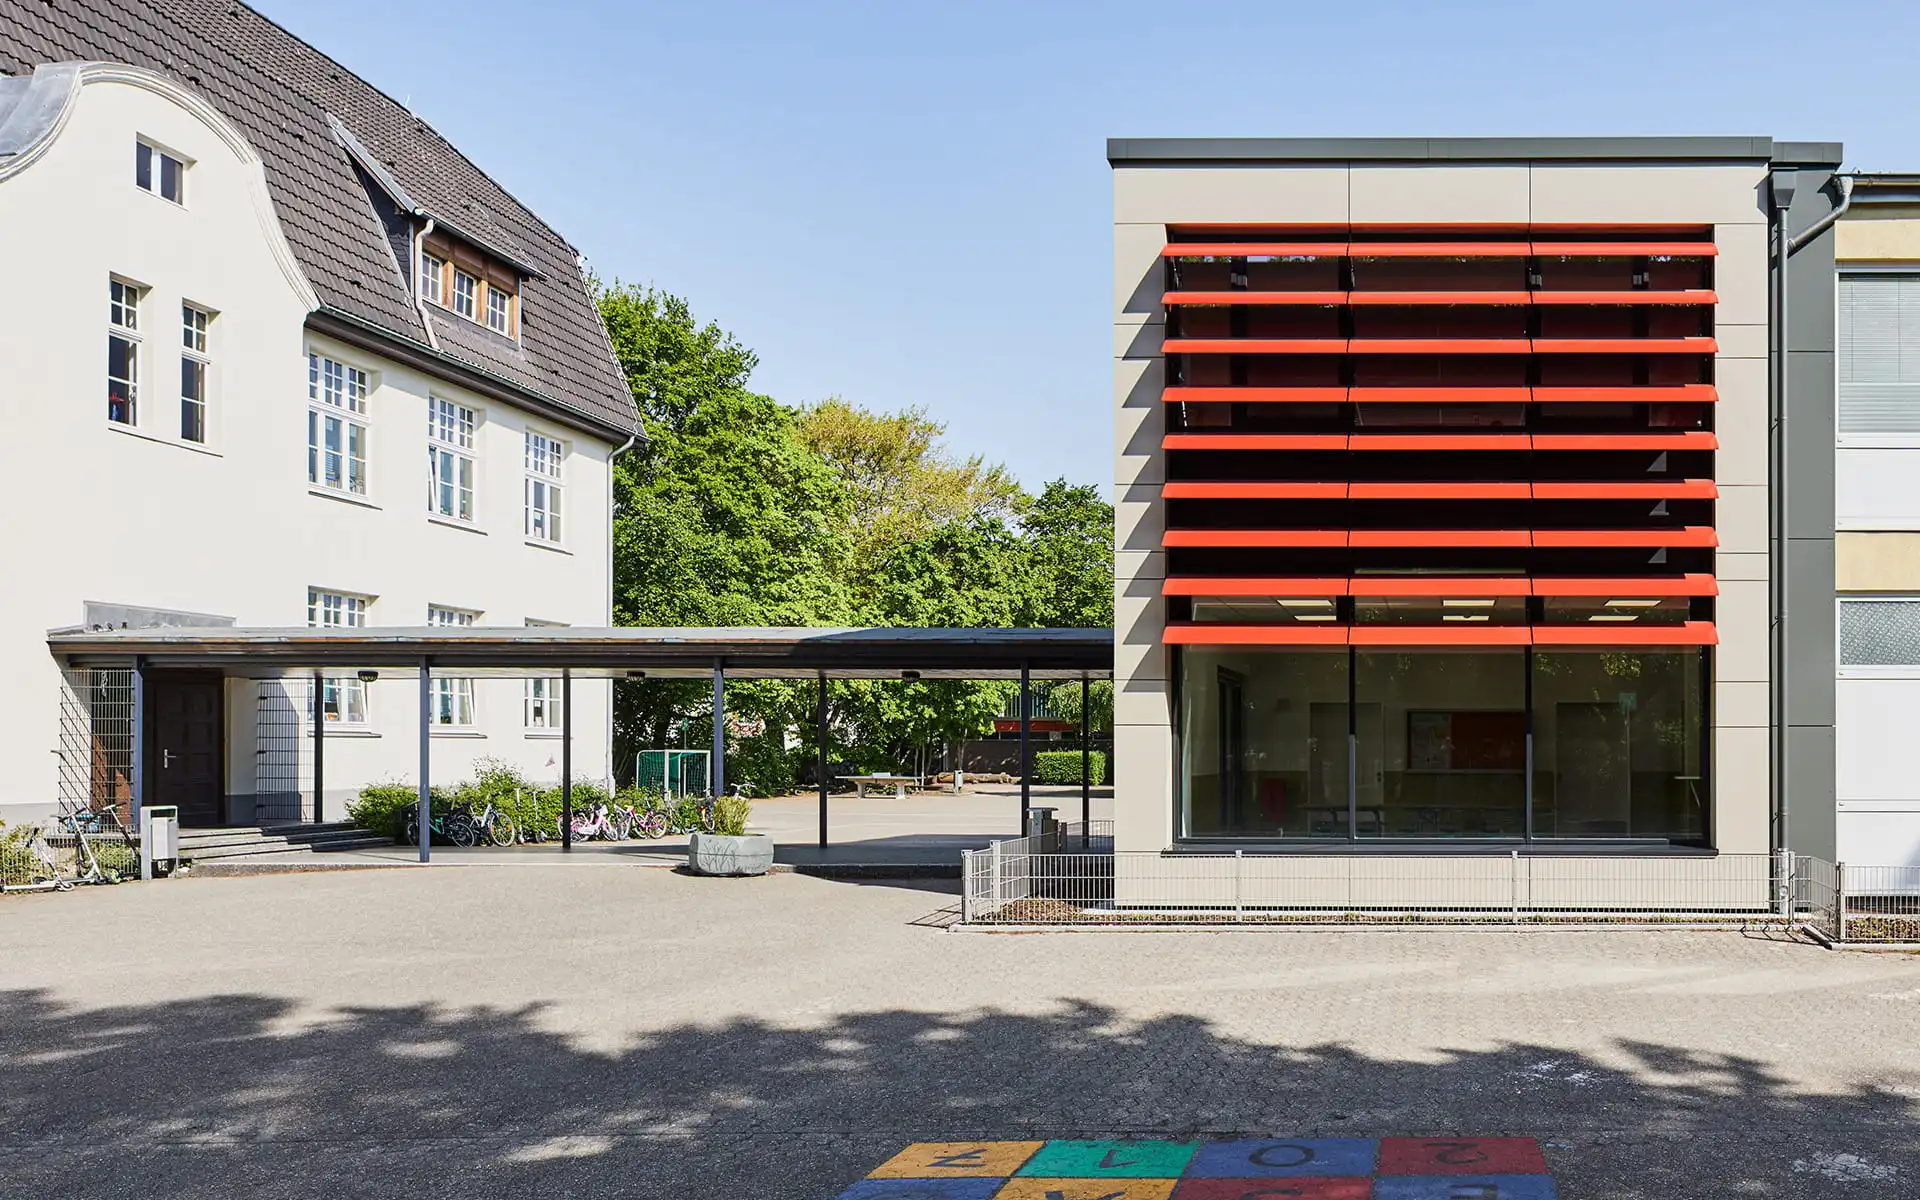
(730, 849)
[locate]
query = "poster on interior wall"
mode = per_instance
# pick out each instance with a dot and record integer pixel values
(1429, 741)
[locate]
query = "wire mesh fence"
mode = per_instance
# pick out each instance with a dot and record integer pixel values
(1047, 880)
(1876, 904)
(90, 846)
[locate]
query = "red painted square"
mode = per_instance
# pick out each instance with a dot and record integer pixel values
(1350, 1187)
(1460, 1156)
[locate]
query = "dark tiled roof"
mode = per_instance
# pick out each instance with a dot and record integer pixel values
(279, 91)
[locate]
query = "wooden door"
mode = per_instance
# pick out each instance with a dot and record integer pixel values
(186, 743)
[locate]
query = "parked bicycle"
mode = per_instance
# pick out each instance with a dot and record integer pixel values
(455, 826)
(495, 826)
(646, 822)
(602, 822)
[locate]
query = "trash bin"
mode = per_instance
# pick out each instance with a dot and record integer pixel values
(159, 840)
(1042, 826)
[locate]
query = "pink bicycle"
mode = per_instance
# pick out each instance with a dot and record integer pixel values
(603, 823)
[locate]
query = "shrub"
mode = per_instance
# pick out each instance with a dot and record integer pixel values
(1063, 766)
(730, 815)
(117, 858)
(763, 764)
(381, 807)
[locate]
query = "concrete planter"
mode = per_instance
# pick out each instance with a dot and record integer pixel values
(718, 854)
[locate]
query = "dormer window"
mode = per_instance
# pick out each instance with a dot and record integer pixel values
(470, 284)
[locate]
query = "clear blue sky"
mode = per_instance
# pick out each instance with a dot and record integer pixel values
(908, 203)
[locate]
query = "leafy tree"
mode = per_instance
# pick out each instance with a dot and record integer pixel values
(1069, 550)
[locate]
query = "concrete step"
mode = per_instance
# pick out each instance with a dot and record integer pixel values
(213, 845)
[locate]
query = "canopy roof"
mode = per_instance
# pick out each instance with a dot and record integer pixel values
(746, 652)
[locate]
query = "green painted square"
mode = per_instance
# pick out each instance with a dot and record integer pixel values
(1110, 1160)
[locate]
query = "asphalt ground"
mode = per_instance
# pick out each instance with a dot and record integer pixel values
(644, 1033)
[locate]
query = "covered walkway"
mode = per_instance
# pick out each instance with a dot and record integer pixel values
(822, 655)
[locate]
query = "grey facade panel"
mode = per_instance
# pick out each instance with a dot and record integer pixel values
(1810, 633)
(1121, 151)
(1810, 457)
(1810, 767)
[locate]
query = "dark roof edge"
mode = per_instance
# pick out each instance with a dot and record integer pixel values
(1204, 151)
(359, 332)
(1886, 187)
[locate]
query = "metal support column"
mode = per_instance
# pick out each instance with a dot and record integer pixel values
(138, 789)
(1026, 744)
(1086, 762)
(566, 759)
(319, 748)
(426, 756)
(719, 772)
(820, 763)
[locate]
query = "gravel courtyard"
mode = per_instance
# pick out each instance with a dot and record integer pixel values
(616, 1030)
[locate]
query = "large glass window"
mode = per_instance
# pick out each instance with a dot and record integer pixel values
(1441, 749)
(1437, 742)
(1618, 745)
(1263, 743)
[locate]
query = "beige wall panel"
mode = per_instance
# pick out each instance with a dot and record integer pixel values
(1740, 518)
(1876, 562)
(1140, 619)
(1198, 195)
(1740, 566)
(1741, 704)
(1740, 274)
(1740, 421)
(1650, 192)
(1138, 657)
(1134, 338)
(1140, 564)
(1138, 280)
(1139, 517)
(1740, 800)
(1740, 341)
(1143, 702)
(1143, 786)
(1865, 235)
(1439, 193)
(1138, 421)
(1741, 618)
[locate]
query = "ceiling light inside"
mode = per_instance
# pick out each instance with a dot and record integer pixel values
(1465, 617)
(1306, 604)
(1314, 617)
(1633, 603)
(1466, 604)
(1614, 617)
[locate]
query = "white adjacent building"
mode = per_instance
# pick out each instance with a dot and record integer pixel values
(278, 356)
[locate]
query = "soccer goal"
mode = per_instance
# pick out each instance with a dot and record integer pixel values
(674, 772)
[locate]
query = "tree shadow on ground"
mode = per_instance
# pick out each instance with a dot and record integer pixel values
(248, 1095)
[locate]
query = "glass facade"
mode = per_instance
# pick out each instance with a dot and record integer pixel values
(1372, 744)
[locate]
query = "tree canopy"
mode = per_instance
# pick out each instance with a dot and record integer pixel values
(738, 509)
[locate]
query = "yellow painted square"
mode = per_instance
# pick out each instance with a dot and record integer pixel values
(1086, 1189)
(955, 1160)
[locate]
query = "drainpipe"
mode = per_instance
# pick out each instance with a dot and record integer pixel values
(1844, 183)
(420, 237)
(1783, 188)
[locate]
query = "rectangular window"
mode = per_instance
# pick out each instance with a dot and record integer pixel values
(194, 366)
(499, 309)
(336, 426)
(123, 352)
(1880, 633)
(156, 171)
(342, 699)
(433, 273)
(542, 704)
(466, 294)
(450, 469)
(1879, 358)
(453, 702)
(456, 617)
(544, 456)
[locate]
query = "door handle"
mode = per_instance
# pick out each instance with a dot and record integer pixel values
(166, 758)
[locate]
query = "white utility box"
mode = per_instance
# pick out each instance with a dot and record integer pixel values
(159, 840)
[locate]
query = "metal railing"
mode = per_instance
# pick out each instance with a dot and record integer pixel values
(1047, 880)
(55, 854)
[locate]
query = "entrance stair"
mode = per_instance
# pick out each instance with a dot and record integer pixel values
(241, 842)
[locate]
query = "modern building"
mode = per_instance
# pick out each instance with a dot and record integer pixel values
(1449, 500)
(1877, 521)
(285, 358)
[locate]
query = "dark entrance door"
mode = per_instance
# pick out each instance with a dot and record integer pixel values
(1233, 751)
(185, 745)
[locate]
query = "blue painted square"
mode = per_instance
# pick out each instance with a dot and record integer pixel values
(1284, 1158)
(923, 1189)
(1464, 1187)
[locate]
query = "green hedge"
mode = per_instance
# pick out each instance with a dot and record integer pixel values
(1063, 766)
(383, 808)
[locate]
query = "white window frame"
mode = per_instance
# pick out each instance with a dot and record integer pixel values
(452, 442)
(1905, 440)
(542, 495)
(123, 325)
(466, 301)
(1846, 670)
(339, 400)
(445, 616)
(344, 697)
(540, 705)
(154, 157)
(433, 275)
(453, 706)
(195, 339)
(504, 311)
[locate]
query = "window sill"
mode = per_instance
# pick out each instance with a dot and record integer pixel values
(455, 523)
(1462, 847)
(337, 731)
(555, 547)
(179, 443)
(545, 735)
(446, 731)
(342, 497)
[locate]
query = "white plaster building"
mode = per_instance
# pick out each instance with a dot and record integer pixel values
(288, 359)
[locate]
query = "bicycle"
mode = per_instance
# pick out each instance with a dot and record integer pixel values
(495, 825)
(602, 822)
(648, 822)
(455, 826)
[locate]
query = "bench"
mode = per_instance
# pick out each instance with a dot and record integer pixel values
(897, 782)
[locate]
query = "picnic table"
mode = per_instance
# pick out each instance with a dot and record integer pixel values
(898, 782)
